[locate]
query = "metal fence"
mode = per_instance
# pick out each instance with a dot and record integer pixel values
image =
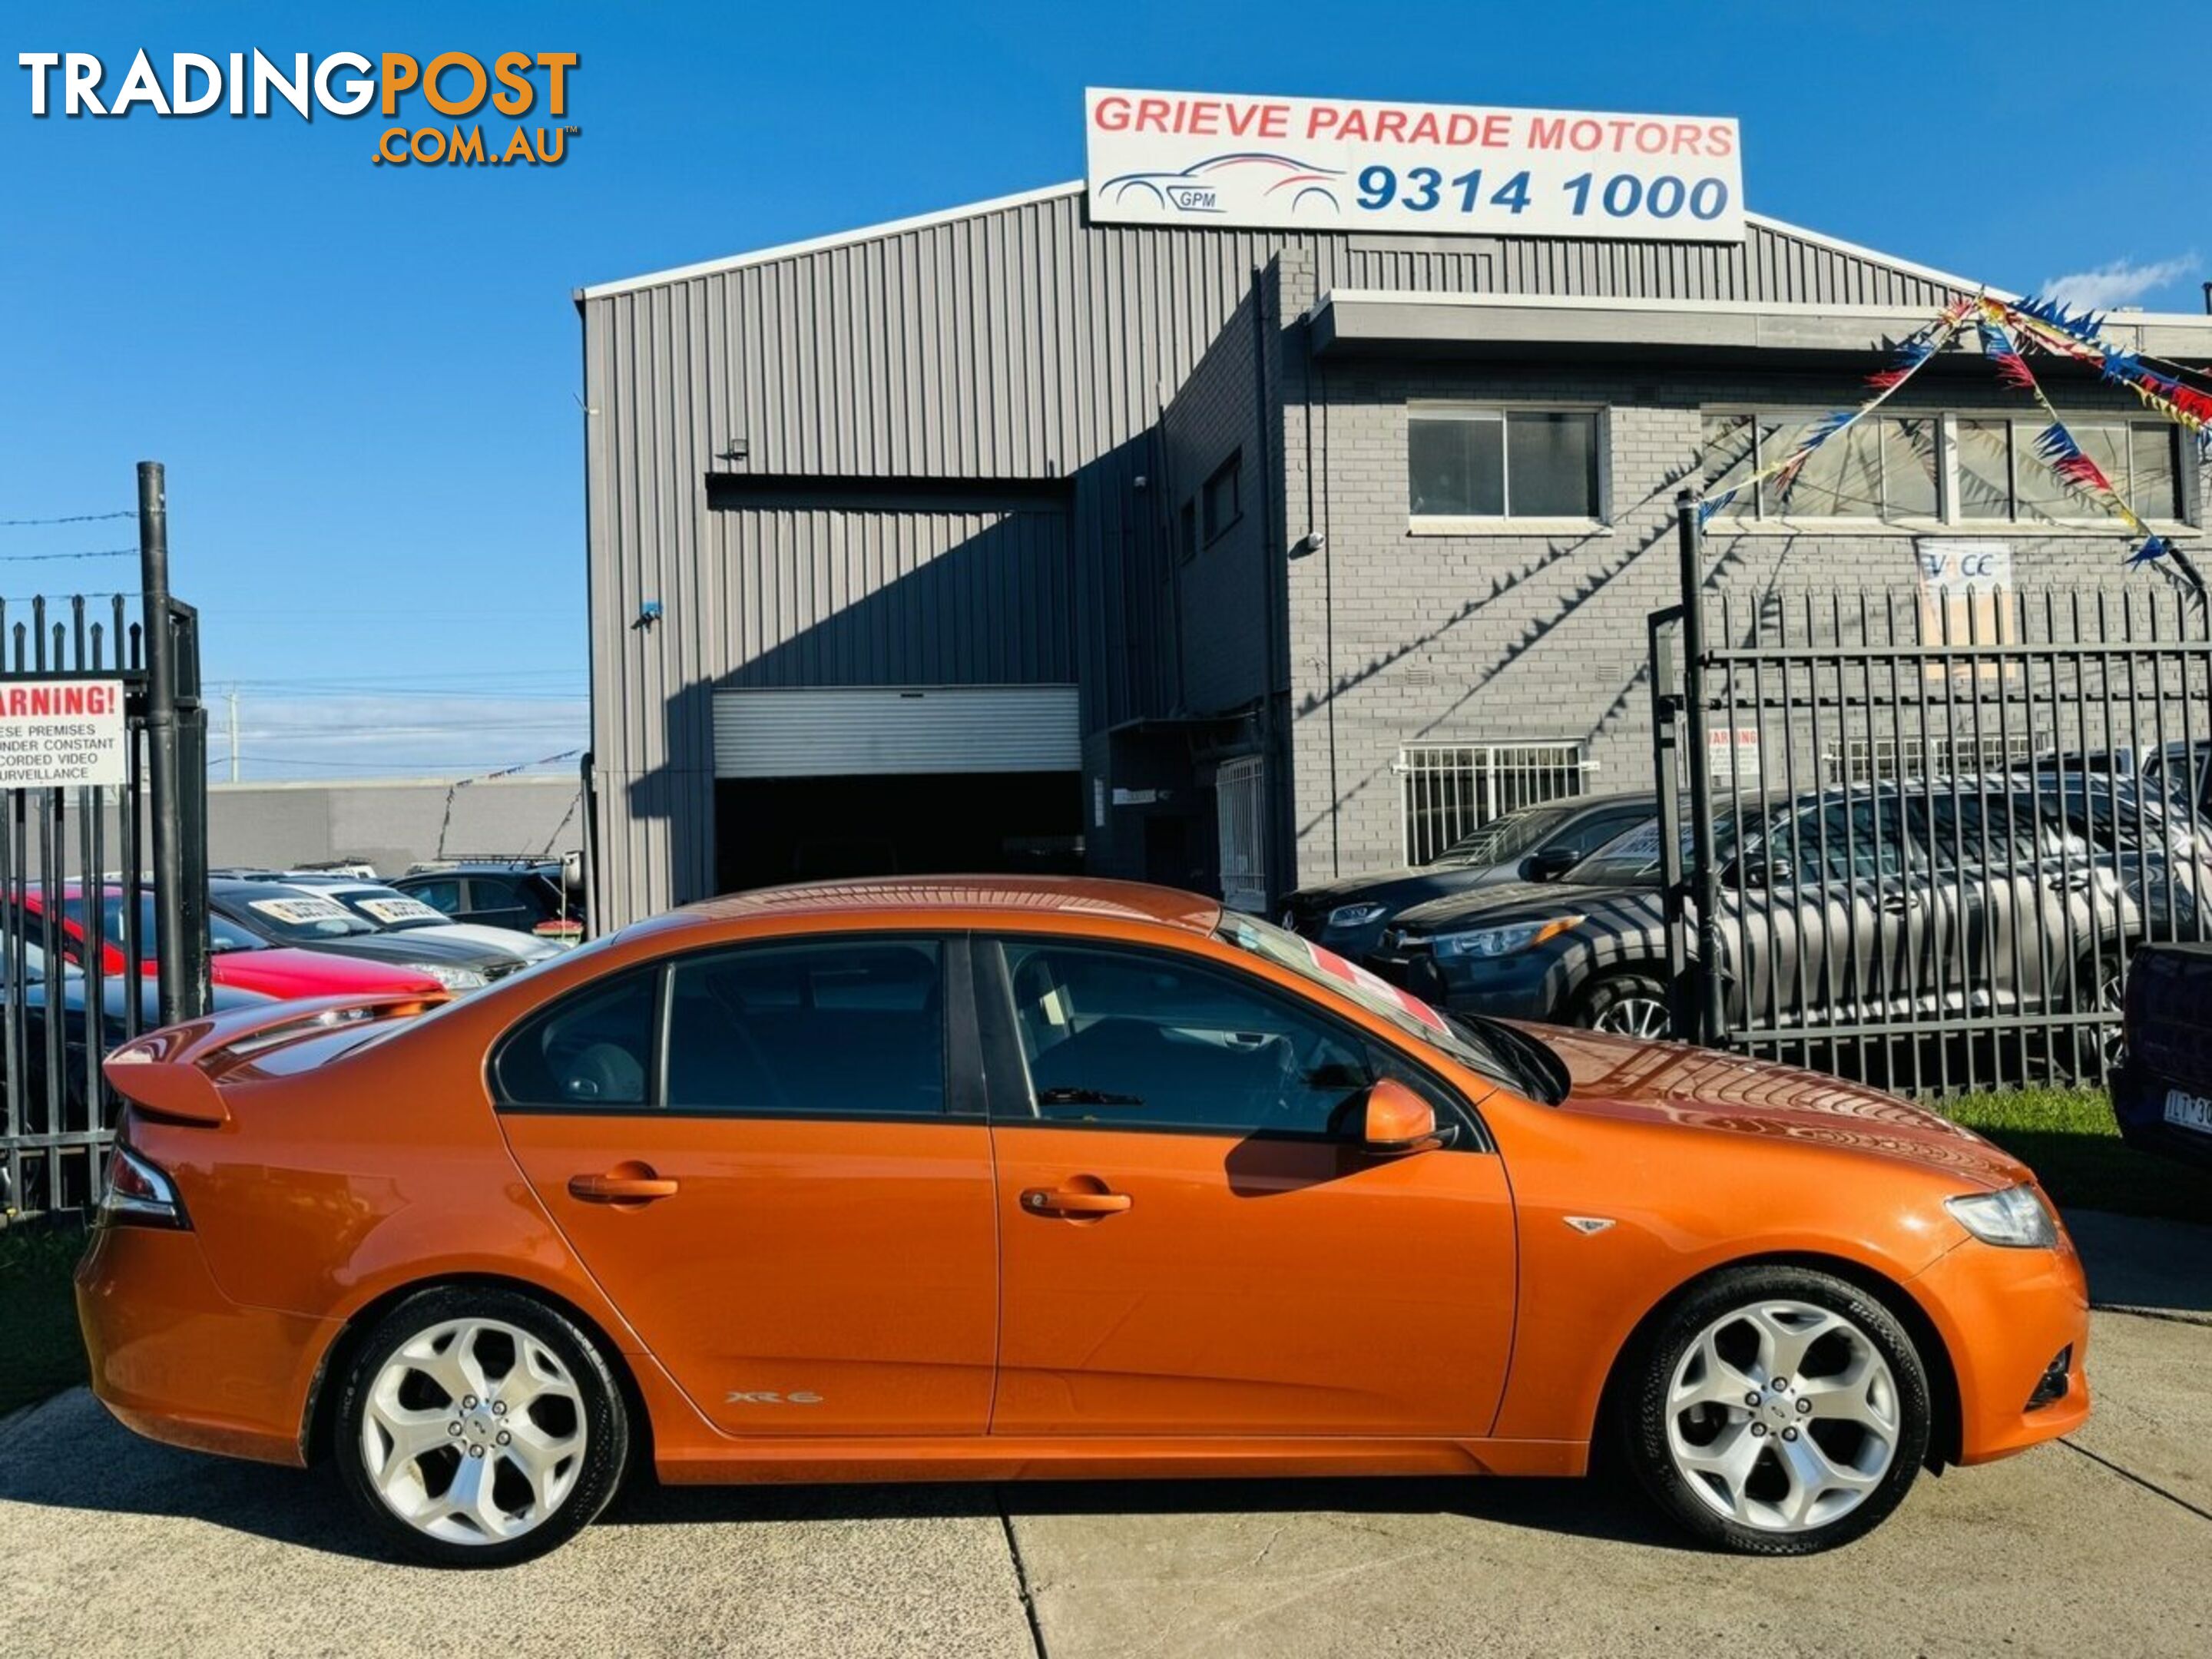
(1916, 841)
(1447, 790)
(87, 870)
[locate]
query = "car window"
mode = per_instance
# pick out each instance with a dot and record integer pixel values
(1839, 840)
(223, 934)
(298, 918)
(1506, 836)
(1129, 1038)
(1587, 835)
(444, 896)
(845, 1028)
(490, 896)
(592, 1049)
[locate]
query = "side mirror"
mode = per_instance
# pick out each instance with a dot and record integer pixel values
(1550, 864)
(1396, 1121)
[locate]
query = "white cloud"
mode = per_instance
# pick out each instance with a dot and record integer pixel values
(2118, 283)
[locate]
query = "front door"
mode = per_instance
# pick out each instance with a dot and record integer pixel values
(1191, 1242)
(762, 1154)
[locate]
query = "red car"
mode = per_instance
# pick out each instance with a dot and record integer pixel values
(236, 958)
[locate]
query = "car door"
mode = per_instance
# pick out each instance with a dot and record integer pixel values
(1190, 1241)
(493, 902)
(442, 894)
(1834, 909)
(770, 1159)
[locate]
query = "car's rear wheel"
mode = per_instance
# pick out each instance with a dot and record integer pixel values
(479, 1427)
(1777, 1411)
(1626, 1005)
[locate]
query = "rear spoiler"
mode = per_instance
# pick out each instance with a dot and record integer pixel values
(172, 1073)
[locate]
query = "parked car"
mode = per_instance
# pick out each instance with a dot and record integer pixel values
(391, 911)
(524, 898)
(2162, 1089)
(1531, 843)
(282, 914)
(236, 958)
(1000, 1176)
(1850, 904)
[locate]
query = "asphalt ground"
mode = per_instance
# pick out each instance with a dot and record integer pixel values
(2096, 1545)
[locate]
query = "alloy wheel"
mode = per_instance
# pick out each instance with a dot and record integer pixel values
(1782, 1417)
(1634, 1016)
(473, 1431)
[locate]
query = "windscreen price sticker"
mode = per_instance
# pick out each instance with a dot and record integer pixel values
(62, 734)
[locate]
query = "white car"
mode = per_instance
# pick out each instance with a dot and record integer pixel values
(395, 912)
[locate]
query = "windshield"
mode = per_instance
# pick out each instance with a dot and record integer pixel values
(1470, 1045)
(223, 934)
(389, 908)
(1505, 837)
(298, 918)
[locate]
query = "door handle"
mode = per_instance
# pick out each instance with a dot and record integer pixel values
(1044, 1200)
(625, 1184)
(1896, 904)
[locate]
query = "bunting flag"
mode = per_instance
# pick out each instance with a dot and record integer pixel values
(2048, 326)
(2055, 447)
(1905, 361)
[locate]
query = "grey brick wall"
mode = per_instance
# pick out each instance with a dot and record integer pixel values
(1399, 638)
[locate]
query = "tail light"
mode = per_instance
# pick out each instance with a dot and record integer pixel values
(138, 1193)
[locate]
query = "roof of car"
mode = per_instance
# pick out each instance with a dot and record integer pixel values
(1124, 901)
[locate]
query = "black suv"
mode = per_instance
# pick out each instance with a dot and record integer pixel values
(530, 896)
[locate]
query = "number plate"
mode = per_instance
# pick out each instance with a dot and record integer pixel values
(2188, 1112)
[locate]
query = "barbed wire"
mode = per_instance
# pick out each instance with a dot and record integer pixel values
(68, 518)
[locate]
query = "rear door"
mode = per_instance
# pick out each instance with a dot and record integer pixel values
(771, 1159)
(1191, 1242)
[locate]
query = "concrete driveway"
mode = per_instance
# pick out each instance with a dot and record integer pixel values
(2097, 1546)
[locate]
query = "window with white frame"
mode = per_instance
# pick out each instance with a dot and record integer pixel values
(1469, 463)
(1878, 760)
(2001, 478)
(1447, 790)
(1931, 469)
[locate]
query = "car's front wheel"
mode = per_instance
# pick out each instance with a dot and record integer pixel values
(1777, 1411)
(479, 1427)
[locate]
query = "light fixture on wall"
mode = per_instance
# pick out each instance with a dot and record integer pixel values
(649, 613)
(740, 449)
(1309, 544)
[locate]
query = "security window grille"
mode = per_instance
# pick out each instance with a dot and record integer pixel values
(1879, 760)
(1447, 790)
(1222, 497)
(1502, 464)
(1240, 816)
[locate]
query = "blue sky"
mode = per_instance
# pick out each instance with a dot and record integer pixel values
(363, 378)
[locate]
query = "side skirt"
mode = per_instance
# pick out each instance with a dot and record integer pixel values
(986, 1457)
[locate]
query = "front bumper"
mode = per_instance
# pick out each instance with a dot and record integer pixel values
(1526, 985)
(2003, 1315)
(176, 1360)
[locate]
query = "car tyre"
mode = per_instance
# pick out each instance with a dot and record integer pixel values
(1832, 1368)
(479, 1427)
(1633, 1004)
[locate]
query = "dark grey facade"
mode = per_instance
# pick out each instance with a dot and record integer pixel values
(988, 449)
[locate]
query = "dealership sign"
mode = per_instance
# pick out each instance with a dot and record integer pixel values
(61, 733)
(1217, 159)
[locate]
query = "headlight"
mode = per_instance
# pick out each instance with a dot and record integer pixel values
(1501, 941)
(2016, 1217)
(1355, 915)
(453, 978)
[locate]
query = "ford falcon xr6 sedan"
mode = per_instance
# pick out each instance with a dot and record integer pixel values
(989, 1178)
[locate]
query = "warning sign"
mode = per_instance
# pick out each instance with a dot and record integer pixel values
(58, 734)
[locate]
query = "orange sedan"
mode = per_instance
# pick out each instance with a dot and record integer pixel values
(993, 1178)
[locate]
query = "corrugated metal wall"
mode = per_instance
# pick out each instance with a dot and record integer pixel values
(1014, 344)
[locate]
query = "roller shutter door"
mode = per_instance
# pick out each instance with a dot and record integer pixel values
(833, 731)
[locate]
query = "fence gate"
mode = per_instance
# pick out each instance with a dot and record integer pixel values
(1915, 841)
(81, 886)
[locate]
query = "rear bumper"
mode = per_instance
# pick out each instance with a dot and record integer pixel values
(177, 1361)
(2004, 1314)
(2139, 1105)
